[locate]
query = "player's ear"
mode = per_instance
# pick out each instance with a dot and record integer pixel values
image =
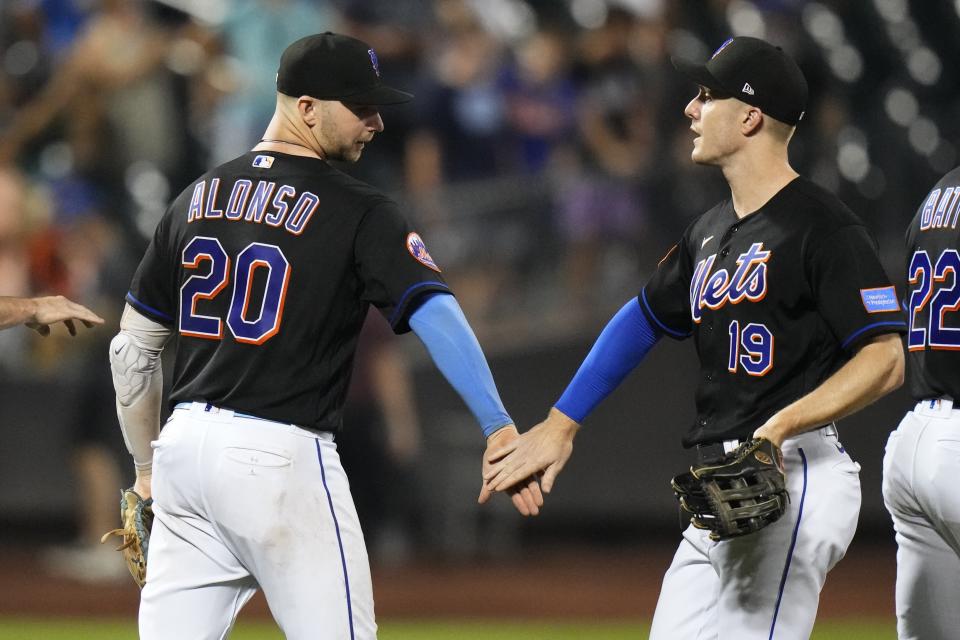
(309, 110)
(751, 121)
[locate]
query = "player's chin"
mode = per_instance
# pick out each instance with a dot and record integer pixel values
(353, 153)
(698, 156)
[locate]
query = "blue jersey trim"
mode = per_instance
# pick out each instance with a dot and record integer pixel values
(336, 526)
(793, 545)
(410, 290)
(145, 307)
(653, 316)
(854, 335)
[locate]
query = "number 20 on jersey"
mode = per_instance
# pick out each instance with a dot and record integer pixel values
(245, 326)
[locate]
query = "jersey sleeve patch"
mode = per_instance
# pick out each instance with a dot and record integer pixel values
(418, 250)
(880, 299)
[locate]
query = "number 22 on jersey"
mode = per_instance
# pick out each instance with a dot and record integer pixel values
(246, 329)
(928, 280)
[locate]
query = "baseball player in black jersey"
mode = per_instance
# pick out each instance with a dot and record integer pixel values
(922, 462)
(264, 269)
(795, 324)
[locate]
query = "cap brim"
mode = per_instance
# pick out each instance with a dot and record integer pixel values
(698, 72)
(382, 95)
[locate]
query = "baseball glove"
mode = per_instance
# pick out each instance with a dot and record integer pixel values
(741, 493)
(137, 516)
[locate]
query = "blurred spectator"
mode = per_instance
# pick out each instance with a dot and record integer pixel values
(95, 101)
(462, 113)
(603, 206)
(254, 35)
(540, 98)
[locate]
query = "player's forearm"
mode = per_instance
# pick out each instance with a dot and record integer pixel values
(138, 382)
(441, 326)
(14, 311)
(622, 345)
(876, 370)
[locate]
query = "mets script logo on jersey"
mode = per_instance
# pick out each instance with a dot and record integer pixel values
(714, 290)
(418, 250)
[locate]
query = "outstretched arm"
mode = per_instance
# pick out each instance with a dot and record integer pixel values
(875, 371)
(40, 313)
(138, 382)
(441, 326)
(546, 448)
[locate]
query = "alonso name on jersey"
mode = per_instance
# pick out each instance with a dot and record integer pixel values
(260, 203)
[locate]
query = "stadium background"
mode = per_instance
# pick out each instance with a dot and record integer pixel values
(546, 163)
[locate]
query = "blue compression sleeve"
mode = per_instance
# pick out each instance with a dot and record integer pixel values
(441, 326)
(621, 346)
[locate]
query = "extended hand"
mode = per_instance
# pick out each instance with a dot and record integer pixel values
(53, 309)
(545, 448)
(526, 495)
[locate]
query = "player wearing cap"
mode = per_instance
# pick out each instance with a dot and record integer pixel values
(795, 325)
(922, 461)
(264, 269)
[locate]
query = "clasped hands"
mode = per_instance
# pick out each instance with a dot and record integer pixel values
(525, 466)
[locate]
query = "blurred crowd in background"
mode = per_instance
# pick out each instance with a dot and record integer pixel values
(545, 159)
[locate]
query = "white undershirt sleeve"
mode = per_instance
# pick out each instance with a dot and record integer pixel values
(138, 382)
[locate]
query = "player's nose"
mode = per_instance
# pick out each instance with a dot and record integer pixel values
(692, 109)
(375, 122)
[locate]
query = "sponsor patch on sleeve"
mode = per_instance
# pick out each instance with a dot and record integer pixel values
(263, 162)
(418, 250)
(880, 300)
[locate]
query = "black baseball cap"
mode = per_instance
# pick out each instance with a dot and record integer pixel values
(756, 72)
(330, 66)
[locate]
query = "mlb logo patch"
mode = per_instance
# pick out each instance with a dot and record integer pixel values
(880, 300)
(418, 250)
(263, 162)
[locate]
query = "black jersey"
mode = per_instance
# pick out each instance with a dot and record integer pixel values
(775, 302)
(265, 268)
(933, 300)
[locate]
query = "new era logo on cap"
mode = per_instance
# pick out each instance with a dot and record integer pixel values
(748, 89)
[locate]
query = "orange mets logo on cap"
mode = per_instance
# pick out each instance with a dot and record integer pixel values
(418, 250)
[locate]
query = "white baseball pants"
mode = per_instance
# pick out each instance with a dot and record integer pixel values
(243, 503)
(766, 585)
(920, 471)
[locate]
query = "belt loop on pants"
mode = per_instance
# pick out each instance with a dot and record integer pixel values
(830, 430)
(935, 407)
